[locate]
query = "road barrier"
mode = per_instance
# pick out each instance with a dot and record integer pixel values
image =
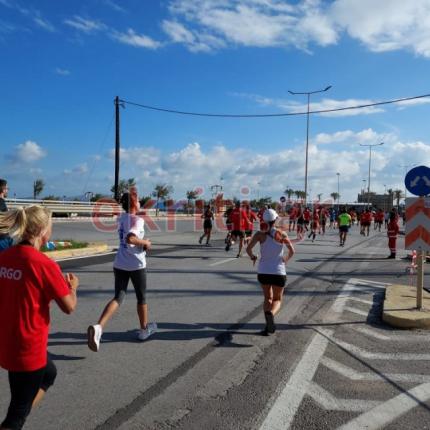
(103, 207)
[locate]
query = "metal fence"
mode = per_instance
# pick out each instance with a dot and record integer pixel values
(103, 207)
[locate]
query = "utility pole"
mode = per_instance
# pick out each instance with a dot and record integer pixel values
(117, 148)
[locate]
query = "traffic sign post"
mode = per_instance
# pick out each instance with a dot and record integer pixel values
(417, 236)
(417, 232)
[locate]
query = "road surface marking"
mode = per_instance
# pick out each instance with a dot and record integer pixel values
(282, 412)
(217, 263)
(332, 403)
(424, 337)
(375, 284)
(373, 355)
(356, 311)
(387, 412)
(288, 402)
(355, 299)
(86, 256)
(354, 375)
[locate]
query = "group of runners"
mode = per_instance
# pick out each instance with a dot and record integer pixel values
(240, 218)
(30, 281)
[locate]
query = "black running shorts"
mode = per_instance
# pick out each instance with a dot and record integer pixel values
(273, 280)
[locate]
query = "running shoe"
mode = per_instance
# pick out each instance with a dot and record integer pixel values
(270, 322)
(227, 247)
(143, 334)
(208, 244)
(200, 241)
(238, 255)
(94, 334)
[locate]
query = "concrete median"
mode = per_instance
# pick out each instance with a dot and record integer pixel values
(400, 308)
(91, 249)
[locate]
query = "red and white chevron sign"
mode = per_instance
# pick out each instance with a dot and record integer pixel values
(417, 232)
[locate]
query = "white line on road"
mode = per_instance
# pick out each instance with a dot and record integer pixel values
(375, 284)
(371, 333)
(366, 302)
(354, 375)
(356, 311)
(373, 355)
(387, 412)
(331, 403)
(424, 337)
(217, 263)
(282, 412)
(286, 405)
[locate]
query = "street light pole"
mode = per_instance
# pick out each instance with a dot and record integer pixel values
(370, 161)
(308, 93)
(338, 189)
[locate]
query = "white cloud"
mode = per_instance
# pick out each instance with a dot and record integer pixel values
(44, 23)
(381, 26)
(80, 168)
(260, 23)
(85, 25)
(137, 40)
(349, 137)
(62, 72)
(194, 166)
(28, 152)
(386, 26)
(114, 6)
(292, 106)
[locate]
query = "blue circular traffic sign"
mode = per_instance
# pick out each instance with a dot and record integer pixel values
(417, 181)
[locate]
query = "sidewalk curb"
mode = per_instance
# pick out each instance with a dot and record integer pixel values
(90, 250)
(400, 308)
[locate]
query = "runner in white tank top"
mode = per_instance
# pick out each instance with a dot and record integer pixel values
(271, 267)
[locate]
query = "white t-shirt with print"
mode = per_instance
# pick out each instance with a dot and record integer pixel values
(130, 257)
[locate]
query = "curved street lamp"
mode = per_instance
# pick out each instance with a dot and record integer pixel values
(370, 160)
(308, 93)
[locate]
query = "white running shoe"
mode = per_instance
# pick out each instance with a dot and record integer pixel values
(143, 334)
(94, 334)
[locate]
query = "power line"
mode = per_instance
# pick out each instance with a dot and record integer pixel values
(271, 115)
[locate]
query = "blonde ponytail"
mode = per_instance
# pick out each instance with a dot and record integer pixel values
(27, 223)
(13, 222)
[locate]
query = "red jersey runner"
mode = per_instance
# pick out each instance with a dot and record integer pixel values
(29, 280)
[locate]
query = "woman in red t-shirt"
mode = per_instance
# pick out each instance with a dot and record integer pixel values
(29, 281)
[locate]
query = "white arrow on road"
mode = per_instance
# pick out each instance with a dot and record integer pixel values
(414, 183)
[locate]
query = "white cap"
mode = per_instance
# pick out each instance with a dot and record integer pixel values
(269, 215)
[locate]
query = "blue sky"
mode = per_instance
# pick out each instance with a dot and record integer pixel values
(64, 62)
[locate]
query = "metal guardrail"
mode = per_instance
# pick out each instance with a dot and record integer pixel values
(105, 208)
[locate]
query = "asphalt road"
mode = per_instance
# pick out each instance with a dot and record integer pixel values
(332, 363)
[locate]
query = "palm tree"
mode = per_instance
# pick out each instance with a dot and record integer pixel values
(335, 196)
(191, 195)
(161, 192)
(319, 196)
(123, 186)
(398, 195)
(38, 186)
(289, 192)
